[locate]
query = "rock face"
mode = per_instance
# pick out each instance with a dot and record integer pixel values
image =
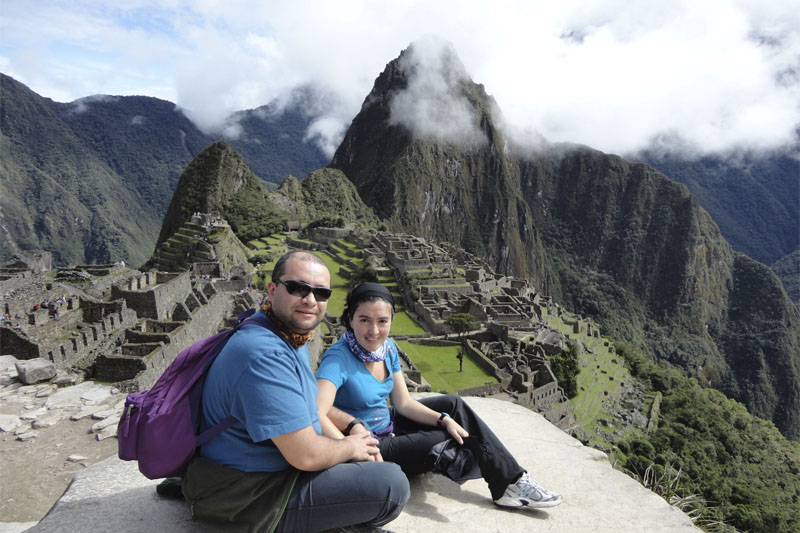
(113, 492)
(613, 240)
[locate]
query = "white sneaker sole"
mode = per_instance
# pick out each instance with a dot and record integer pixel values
(521, 502)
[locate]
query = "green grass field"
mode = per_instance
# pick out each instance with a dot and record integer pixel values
(405, 325)
(333, 266)
(439, 365)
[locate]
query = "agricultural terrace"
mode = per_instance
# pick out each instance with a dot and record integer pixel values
(601, 374)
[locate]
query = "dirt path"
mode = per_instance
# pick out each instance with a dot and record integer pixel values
(36, 472)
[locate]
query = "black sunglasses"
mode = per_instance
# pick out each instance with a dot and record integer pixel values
(301, 289)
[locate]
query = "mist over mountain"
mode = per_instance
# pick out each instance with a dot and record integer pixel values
(614, 240)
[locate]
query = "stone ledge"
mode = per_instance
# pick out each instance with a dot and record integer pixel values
(113, 496)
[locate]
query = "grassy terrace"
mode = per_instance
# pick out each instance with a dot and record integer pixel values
(439, 365)
(600, 376)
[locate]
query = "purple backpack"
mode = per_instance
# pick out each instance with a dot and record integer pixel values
(159, 427)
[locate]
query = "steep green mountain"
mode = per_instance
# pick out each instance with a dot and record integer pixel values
(91, 180)
(723, 465)
(218, 180)
(614, 240)
(754, 198)
(325, 195)
(787, 269)
(59, 193)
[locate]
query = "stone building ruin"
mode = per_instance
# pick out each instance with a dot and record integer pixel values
(120, 324)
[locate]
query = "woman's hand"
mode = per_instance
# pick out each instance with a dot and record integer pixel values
(454, 429)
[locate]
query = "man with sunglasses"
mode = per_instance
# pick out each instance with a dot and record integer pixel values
(274, 469)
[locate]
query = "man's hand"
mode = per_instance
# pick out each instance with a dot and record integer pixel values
(358, 429)
(365, 447)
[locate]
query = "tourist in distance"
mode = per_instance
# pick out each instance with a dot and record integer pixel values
(274, 469)
(362, 369)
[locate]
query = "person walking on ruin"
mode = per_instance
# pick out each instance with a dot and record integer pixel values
(439, 433)
(276, 468)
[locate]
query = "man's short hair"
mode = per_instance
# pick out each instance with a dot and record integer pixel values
(280, 266)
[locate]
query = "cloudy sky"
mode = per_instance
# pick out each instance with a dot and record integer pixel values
(618, 75)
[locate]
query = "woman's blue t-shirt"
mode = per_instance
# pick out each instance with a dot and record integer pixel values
(357, 391)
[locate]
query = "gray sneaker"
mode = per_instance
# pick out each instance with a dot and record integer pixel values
(526, 492)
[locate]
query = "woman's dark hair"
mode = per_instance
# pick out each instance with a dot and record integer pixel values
(366, 292)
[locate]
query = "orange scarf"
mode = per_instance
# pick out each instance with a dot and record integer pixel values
(295, 339)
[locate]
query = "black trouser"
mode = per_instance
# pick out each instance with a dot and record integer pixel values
(412, 441)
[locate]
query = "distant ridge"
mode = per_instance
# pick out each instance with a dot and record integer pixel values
(91, 180)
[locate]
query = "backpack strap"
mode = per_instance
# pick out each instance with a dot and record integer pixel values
(214, 430)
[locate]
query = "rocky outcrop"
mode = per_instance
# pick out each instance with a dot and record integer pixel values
(113, 492)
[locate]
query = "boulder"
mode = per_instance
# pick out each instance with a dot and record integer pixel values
(34, 370)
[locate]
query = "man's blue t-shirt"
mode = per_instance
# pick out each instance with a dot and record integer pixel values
(269, 388)
(357, 391)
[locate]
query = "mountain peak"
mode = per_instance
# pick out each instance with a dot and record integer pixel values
(427, 91)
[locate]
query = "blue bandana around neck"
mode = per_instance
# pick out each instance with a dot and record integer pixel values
(362, 353)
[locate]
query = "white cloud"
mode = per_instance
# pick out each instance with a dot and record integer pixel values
(433, 105)
(717, 75)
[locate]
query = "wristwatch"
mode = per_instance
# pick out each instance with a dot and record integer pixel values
(352, 423)
(441, 418)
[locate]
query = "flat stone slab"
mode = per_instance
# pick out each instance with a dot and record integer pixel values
(597, 498)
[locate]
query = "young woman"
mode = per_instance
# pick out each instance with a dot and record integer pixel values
(362, 369)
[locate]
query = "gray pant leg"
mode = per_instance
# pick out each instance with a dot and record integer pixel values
(367, 494)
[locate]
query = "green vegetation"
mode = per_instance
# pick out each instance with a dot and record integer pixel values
(403, 324)
(788, 270)
(746, 474)
(460, 322)
(565, 367)
(439, 365)
(749, 197)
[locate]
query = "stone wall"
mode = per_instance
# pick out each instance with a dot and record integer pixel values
(14, 341)
(488, 366)
(84, 342)
(133, 373)
(159, 301)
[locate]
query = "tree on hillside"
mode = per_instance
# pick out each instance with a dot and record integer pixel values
(460, 322)
(565, 367)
